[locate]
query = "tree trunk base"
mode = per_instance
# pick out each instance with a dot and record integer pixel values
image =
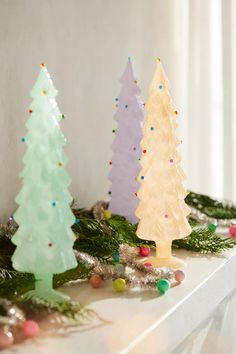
(172, 262)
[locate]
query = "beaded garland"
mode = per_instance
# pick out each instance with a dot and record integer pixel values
(143, 276)
(13, 317)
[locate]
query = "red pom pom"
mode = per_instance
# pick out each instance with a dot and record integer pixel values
(179, 276)
(232, 231)
(96, 281)
(30, 328)
(148, 264)
(144, 251)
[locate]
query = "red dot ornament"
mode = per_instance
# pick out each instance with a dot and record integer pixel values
(144, 251)
(232, 231)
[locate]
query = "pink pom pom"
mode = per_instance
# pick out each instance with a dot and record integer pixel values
(96, 281)
(232, 231)
(6, 339)
(144, 251)
(30, 328)
(148, 264)
(179, 276)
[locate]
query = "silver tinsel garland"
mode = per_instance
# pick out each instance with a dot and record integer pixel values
(204, 219)
(13, 316)
(129, 269)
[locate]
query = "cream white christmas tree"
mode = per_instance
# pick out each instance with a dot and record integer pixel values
(162, 210)
(44, 238)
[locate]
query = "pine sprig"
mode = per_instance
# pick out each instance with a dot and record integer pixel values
(126, 232)
(95, 237)
(65, 313)
(12, 286)
(203, 240)
(6, 246)
(211, 207)
(13, 283)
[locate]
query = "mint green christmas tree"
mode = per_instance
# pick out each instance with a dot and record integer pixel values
(44, 238)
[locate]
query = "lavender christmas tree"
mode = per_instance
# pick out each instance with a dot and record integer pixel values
(126, 148)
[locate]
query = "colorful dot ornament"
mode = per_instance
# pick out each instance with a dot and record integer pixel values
(144, 251)
(96, 281)
(30, 328)
(106, 214)
(119, 285)
(232, 231)
(116, 256)
(212, 227)
(163, 285)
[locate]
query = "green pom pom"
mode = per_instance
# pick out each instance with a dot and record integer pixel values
(116, 256)
(163, 285)
(212, 227)
(119, 285)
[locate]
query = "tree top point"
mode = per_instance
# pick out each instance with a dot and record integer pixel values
(42, 65)
(158, 59)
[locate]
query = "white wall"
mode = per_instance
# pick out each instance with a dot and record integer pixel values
(85, 44)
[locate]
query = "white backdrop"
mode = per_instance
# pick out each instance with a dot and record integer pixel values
(85, 44)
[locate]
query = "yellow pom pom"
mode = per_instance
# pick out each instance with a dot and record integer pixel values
(187, 193)
(107, 214)
(119, 285)
(158, 59)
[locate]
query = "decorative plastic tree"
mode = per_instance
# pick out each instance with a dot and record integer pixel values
(44, 238)
(162, 210)
(126, 148)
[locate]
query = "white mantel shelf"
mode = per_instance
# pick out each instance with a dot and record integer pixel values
(141, 321)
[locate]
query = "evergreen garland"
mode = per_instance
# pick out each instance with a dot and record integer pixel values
(101, 238)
